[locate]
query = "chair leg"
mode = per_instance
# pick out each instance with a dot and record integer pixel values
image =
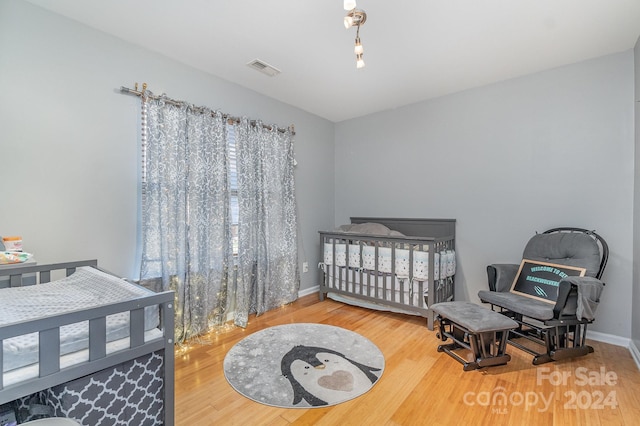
(563, 342)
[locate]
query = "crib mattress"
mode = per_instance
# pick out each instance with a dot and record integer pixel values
(84, 289)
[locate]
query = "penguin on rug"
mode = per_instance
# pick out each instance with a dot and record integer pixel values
(323, 376)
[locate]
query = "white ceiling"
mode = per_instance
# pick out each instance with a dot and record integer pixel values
(414, 49)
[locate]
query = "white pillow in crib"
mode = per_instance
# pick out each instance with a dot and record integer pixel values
(369, 228)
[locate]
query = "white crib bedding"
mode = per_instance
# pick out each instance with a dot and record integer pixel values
(364, 256)
(84, 289)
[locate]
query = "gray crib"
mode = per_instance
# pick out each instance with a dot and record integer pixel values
(403, 273)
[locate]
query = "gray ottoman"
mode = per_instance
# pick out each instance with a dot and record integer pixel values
(477, 329)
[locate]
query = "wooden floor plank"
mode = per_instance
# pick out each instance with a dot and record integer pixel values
(419, 385)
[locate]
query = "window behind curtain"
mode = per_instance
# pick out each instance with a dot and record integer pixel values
(233, 196)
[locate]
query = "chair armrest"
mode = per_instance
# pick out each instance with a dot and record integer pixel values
(587, 291)
(501, 276)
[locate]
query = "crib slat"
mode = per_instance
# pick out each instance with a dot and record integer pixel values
(376, 269)
(136, 324)
(1, 364)
(15, 281)
(97, 338)
(333, 262)
(389, 287)
(49, 351)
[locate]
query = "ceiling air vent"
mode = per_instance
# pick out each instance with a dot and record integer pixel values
(263, 67)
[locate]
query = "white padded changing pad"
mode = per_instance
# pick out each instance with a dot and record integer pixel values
(84, 289)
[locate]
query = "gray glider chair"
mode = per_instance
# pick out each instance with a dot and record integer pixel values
(558, 325)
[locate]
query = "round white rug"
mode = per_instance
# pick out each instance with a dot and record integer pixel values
(303, 365)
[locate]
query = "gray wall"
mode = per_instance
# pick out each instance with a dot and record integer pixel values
(69, 142)
(551, 149)
(635, 326)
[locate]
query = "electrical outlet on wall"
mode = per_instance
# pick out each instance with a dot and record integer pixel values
(305, 267)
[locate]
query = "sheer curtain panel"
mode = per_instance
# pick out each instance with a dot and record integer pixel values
(267, 262)
(186, 237)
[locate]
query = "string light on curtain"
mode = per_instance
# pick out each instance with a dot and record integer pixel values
(355, 18)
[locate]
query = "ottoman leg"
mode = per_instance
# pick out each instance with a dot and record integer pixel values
(492, 345)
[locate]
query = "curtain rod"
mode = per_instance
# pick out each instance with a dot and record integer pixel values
(229, 118)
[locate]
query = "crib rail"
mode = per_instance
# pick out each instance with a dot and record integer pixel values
(405, 273)
(41, 273)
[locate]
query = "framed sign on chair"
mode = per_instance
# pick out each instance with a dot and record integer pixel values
(540, 280)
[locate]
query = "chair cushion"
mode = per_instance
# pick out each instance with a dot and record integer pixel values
(526, 306)
(565, 248)
(474, 318)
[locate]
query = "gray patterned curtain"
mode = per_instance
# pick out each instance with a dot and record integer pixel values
(186, 237)
(267, 274)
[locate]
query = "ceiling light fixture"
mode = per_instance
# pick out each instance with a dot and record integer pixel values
(358, 50)
(355, 18)
(349, 4)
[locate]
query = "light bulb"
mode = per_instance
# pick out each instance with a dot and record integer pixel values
(348, 21)
(349, 4)
(359, 61)
(358, 50)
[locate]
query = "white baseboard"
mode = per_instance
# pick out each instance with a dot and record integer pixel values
(618, 341)
(308, 291)
(608, 338)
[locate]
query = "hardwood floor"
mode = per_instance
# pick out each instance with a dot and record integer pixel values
(419, 385)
